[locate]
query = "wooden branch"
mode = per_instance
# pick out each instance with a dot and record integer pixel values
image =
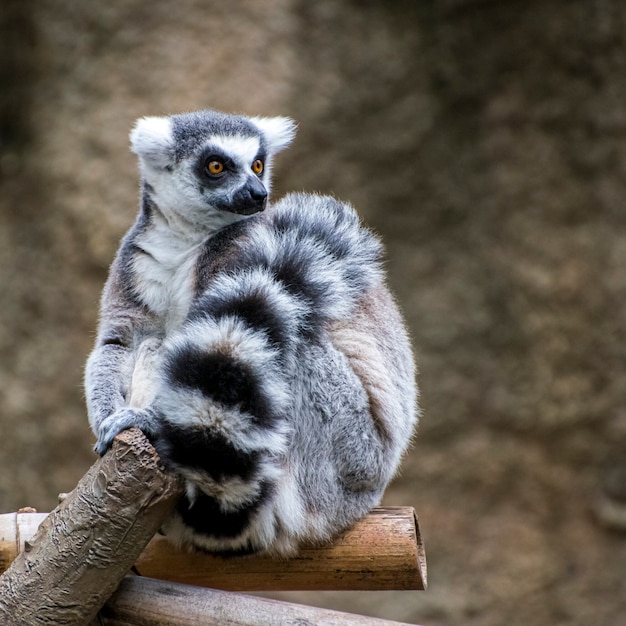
(381, 552)
(141, 601)
(88, 543)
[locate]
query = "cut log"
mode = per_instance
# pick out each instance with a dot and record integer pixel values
(88, 543)
(383, 551)
(142, 601)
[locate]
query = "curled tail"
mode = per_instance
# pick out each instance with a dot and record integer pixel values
(223, 408)
(229, 389)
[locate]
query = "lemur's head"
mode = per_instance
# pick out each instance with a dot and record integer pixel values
(197, 164)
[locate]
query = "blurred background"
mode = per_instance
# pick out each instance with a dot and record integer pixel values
(483, 139)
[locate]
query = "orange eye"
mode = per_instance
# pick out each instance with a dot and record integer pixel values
(215, 167)
(257, 166)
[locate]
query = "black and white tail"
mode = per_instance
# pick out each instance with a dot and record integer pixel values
(229, 395)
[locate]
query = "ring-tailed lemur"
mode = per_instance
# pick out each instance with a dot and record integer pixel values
(257, 347)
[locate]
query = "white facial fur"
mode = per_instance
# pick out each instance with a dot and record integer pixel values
(175, 185)
(151, 138)
(243, 151)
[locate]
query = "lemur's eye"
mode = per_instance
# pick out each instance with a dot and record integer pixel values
(215, 167)
(257, 166)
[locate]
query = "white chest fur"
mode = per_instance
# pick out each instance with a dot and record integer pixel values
(166, 272)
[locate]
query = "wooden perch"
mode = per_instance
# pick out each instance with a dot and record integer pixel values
(142, 601)
(381, 552)
(65, 565)
(88, 543)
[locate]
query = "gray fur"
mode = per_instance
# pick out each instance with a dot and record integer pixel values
(258, 348)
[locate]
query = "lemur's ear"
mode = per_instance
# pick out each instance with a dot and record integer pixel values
(152, 140)
(278, 131)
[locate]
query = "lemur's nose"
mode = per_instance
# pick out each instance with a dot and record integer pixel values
(257, 190)
(258, 194)
(251, 198)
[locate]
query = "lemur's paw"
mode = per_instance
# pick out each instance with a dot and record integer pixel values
(123, 419)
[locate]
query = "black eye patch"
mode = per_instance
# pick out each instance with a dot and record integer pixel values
(206, 169)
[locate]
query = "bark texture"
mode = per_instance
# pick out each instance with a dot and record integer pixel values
(89, 542)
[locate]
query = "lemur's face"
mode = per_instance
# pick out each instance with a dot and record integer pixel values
(203, 165)
(231, 174)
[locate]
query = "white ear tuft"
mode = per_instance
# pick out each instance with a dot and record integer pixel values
(151, 139)
(278, 131)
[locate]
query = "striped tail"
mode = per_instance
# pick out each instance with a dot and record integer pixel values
(227, 392)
